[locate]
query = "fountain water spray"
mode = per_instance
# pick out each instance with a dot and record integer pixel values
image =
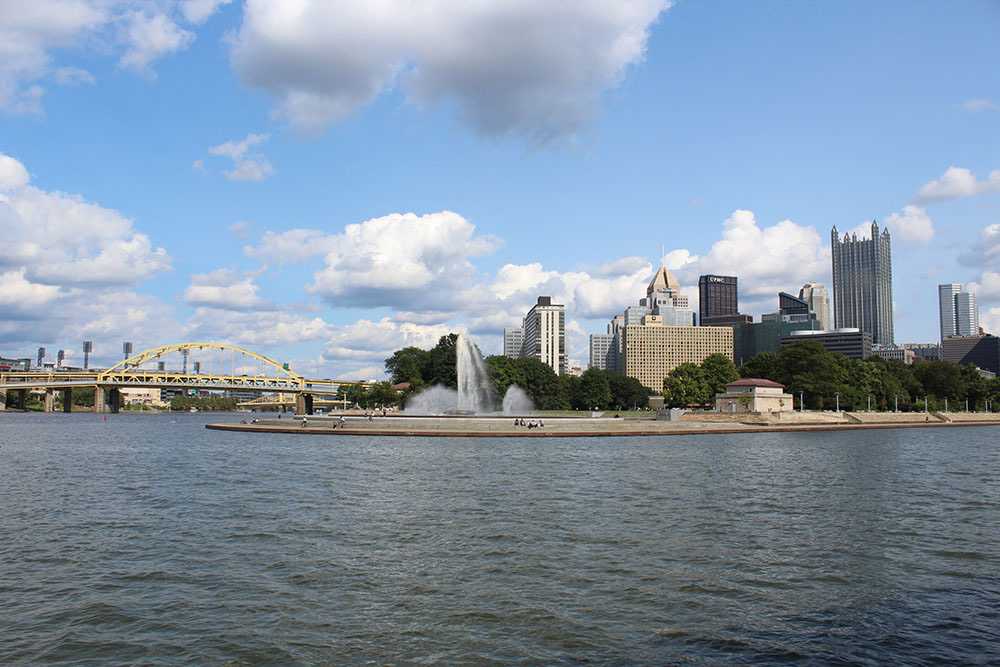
(475, 388)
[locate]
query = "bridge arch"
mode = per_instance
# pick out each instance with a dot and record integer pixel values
(156, 352)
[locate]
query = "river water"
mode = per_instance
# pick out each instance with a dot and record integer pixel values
(146, 539)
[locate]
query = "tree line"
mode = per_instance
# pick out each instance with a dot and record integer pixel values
(808, 370)
(549, 391)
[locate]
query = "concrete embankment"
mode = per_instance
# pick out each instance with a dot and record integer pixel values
(563, 428)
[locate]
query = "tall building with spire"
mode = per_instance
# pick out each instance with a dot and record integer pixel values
(862, 283)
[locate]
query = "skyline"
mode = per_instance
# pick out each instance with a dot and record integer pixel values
(207, 217)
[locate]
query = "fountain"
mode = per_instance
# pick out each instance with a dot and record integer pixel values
(475, 395)
(475, 388)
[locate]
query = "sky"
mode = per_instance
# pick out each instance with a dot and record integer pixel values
(325, 182)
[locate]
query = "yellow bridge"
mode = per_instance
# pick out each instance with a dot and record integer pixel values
(267, 375)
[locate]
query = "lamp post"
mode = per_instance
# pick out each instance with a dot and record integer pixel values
(895, 399)
(946, 405)
(802, 401)
(966, 405)
(837, 396)
(925, 404)
(869, 402)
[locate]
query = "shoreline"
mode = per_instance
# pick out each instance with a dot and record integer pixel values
(704, 428)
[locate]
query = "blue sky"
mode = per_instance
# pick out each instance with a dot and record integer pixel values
(540, 150)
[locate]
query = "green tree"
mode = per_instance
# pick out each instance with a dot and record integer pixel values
(686, 385)
(407, 365)
(626, 392)
(594, 390)
(441, 364)
(766, 365)
(807, 367)
(940, 380)
(569, 391)
(381, 394)
(719, 371)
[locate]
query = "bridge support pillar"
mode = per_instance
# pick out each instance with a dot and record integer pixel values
(114, 400)
(49, 404)
(100, 400)
(303, 404)
(18, 398)
(67, 400)
(3, 399)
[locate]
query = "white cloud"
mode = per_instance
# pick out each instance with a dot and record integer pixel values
(226, 290)
(148, 37)
(767, 260)
(28, 31)
(957, 182)
(986, 251)
(977, 105)
(529, 68)
(402, 259)
(292, 246)
(73, 76)
(199, 11)
(137, 32)
(366, 341)
(256, 329)
(987, 288)
(246, 166)
(22, 298)
(911, 224)
(13, 174)
(61, 239)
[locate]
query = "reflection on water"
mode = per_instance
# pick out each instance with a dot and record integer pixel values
(148, 539)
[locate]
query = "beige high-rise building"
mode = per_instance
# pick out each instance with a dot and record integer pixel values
(815, 295)
(652, 349)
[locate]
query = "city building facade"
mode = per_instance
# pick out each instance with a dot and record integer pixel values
(850, 342)
(983, 351)
(513, 342)
(815, 295)
(925, 351)
(754, 395)
(958, 311)
(862, 283)
(545, 334)
(894, 353)
(755, 338)
(718, 298)
(652, 349)
(600, 350)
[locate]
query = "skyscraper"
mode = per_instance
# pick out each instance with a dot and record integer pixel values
(717, 297)
(862, 283)
(545, 334)
(600, 348)
(958, 311)
(513, 341)
(815, 295)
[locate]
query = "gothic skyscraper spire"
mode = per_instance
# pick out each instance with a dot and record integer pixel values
(862, 283)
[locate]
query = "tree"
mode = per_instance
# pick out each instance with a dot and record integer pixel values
(594, 390)
(765, 365)
(407, 365)
(442, 359)
(807, 367)
(719, 371)
(686, 385)
(940, 379)
(627, 392)
(381, 394)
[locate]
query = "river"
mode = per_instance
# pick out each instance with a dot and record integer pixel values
(147, 539)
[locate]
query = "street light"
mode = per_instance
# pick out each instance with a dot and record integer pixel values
(895, 398)
(837, 395)
(802, 402)
(869, 402)
(925, 404)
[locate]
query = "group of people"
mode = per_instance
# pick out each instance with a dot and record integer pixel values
(521, 421)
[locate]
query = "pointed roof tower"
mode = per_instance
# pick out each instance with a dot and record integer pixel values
(662, 280)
